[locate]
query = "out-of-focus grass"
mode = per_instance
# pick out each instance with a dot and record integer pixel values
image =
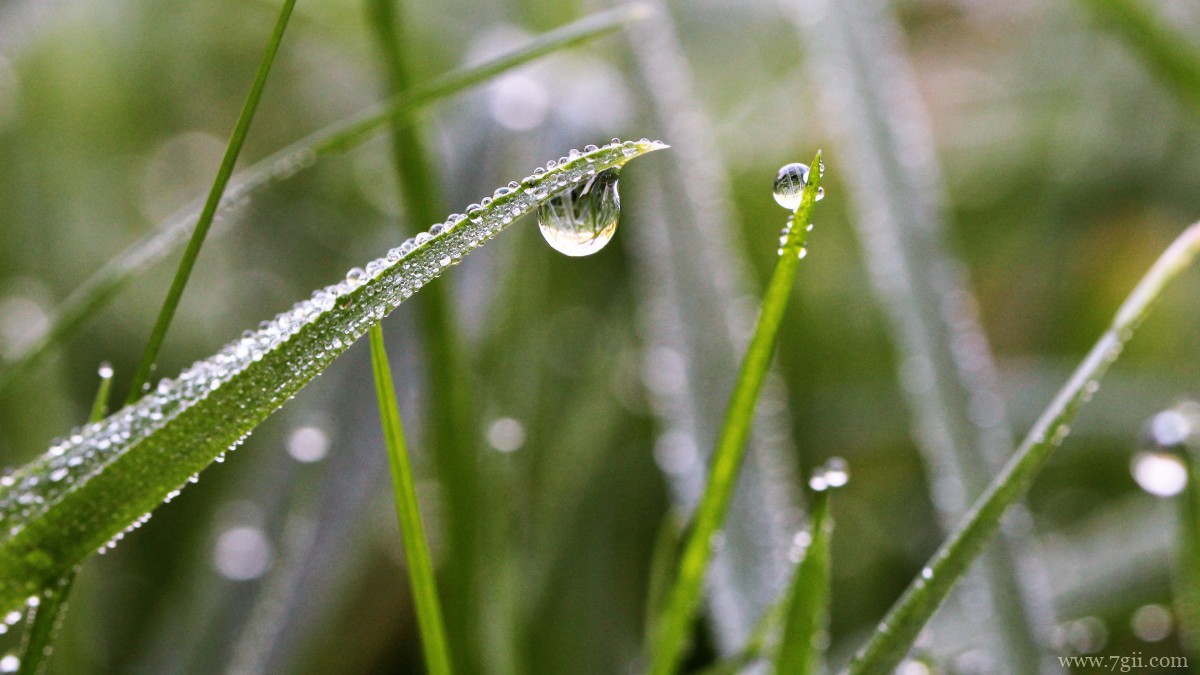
(1068, 168)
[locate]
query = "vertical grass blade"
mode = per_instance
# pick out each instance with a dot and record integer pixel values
(898, 630)
(808, 597)
(453, 438)
(695, 278)
(224, 172)
(958, 415)
(96, 292)
(45, 617)
(416, 549)
(675, 622)
(1170, 56)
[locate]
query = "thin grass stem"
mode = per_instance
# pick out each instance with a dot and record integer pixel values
(416, 548)
(671, 632)
(808, 597)
(204, 222)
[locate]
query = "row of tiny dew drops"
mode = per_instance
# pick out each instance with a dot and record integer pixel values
(788, 189)
(578, 222)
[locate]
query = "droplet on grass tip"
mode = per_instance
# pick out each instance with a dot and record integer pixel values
(582, 221)
(833, 474)
(790, 182)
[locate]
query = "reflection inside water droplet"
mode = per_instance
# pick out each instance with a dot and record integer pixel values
(790, 182)
(582, 221)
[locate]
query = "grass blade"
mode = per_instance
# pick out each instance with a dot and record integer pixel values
(675, 622)
(452, 440)
(958, 414)
(1170, 56)
(416, 549)
(109, 476)
(224, 172)
(696, 277)
(44, 618)
(808, 598)
(95, 293)
(899, 628)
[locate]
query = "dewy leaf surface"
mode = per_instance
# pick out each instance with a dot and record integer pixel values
(105, 478)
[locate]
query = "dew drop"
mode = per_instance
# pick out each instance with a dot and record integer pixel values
(789, 184)
(833, 474)
(1161, 474)
(582, 221)
(10, 663)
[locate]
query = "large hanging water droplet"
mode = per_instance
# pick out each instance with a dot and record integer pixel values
(790, 182)
(582, 221)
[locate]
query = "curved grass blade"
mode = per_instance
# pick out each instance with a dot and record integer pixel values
(109, 476)
(670, 634)
(898, 630)
(45, 616)
(86, 301)
(808, 597)
(224, 172)
(412, 532)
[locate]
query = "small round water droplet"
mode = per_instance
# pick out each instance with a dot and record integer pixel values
(837, 472)
(582, 221)
(1171, 427)
(106, 370)
(10, 664)
(833, 474)
(789, 184)
(1162, 474)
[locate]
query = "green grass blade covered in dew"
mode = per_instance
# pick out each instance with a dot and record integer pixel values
(672, 629)
(211, 203)
(899, 629)
(412, 532)
(105, 478)
(101, 287)
(807, 606)
(46, 610)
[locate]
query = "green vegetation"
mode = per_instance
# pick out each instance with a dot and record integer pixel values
(618, 462)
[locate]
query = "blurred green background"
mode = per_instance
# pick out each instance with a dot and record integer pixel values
(1068, 166)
